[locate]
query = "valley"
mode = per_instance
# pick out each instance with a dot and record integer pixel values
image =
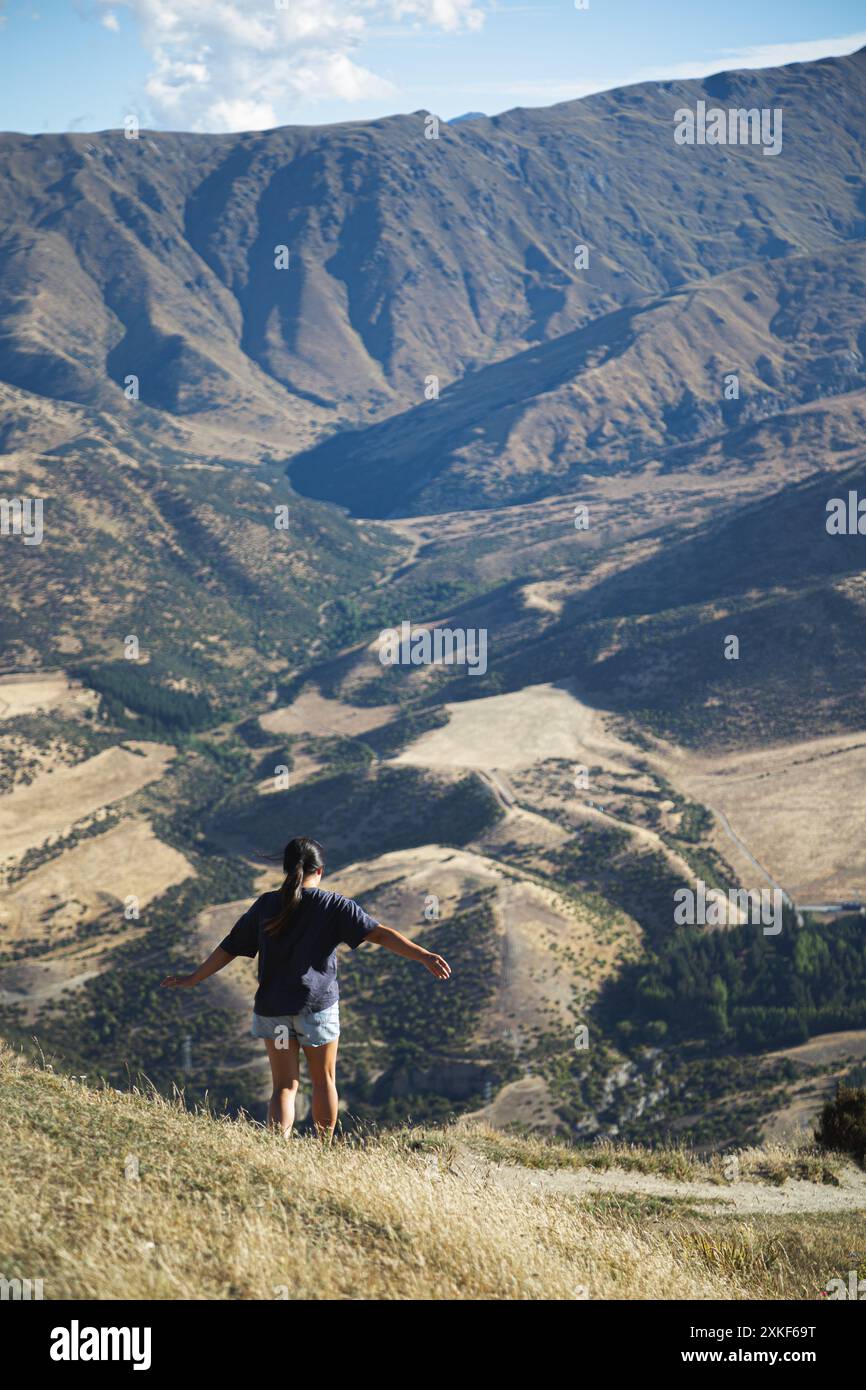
(190, 658)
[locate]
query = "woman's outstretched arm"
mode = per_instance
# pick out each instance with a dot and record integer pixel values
(401, 946)
(215, 961)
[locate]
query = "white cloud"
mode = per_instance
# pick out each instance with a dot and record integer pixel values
(768, 55)
(502, 94)
(110, 21)
(174, 82)
(242, 115)
(225, 65)
(450, 15)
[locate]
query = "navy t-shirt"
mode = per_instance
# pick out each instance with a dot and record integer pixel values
(298, 968)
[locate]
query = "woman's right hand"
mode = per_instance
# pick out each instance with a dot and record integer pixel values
(179, 982)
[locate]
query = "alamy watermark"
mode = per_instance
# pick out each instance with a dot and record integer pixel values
(438, 646)
(736, 126)
(22, 516)
(701, 906)
(77, 1343)
(846, 517)
(18, 1290)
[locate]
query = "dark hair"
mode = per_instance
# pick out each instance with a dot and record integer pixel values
(300, 858)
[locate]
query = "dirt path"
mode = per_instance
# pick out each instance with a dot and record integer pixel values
(794, 1195)
(501, 789)
(410, 533)
(744, 849)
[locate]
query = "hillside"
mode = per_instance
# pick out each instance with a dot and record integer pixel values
(648, 383)
(181, 553)
(641, 632)
(141, 1199)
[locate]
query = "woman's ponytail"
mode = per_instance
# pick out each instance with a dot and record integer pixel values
(301, 857)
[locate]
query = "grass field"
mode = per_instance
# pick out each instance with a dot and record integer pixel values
(114, 1195)
(56, 799)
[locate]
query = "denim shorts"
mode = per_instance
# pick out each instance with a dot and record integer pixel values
(312, 1028)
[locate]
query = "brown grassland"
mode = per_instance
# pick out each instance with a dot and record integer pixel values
(130, 1195)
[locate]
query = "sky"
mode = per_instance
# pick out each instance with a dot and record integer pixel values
(227, 65)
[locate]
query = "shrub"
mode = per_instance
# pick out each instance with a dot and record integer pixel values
(842, 1125)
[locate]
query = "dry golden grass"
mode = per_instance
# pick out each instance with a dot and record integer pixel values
(771, 1163)
(74, 885)
(54, 801)
(222, 1209)
(798, 807)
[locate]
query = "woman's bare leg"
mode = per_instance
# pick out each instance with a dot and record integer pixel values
(322, 1062)
(285, 1070)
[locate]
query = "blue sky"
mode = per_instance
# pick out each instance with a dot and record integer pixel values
(251, 64)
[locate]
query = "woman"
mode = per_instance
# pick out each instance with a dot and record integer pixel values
(296, 932)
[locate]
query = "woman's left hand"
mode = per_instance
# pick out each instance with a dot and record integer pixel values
(437, 966)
